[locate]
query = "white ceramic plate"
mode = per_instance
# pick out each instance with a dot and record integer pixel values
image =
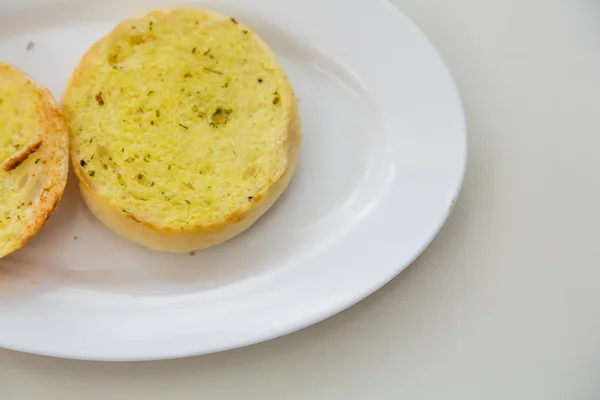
(382, 162)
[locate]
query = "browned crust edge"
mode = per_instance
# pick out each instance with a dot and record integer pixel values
(17, 159)
(52, 148)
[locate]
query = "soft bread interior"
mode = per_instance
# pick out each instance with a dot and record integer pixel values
(181, 116)
(184, 128)
(33, 157)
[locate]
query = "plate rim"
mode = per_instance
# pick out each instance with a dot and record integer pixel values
(326, 311)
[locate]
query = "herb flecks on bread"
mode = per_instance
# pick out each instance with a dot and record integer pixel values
(182, 122)
(33, 157)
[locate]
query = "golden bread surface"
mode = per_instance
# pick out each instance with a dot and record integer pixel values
(183, 128)
(33, 157)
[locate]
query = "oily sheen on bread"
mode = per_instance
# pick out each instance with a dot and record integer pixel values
(184, 128)
(33, 157)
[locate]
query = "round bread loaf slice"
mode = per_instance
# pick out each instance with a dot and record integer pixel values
(34, 157)
(183, 128)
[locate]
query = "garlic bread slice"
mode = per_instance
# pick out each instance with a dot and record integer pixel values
(184, 128)
(33, 157)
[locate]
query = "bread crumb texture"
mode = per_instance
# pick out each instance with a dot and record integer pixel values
(33, 157)
(178, 117)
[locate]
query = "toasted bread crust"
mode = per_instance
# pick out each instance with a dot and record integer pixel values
(51, 149)
(16, 160)
(175, 239)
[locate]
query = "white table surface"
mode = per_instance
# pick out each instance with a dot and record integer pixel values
(505, 304)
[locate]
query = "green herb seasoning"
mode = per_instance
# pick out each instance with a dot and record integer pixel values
(213, 71)
(221, 116)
